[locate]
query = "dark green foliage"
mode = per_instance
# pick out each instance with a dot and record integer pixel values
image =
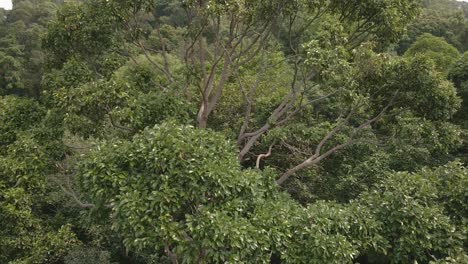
(172, 186)
(11, 79)
(391, 17)
(146, 110)
(459, 76)
(459, 73)
(332, 233)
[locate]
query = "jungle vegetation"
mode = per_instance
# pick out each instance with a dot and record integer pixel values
(234, 131)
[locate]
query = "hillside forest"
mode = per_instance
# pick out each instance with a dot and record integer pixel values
(234, 131)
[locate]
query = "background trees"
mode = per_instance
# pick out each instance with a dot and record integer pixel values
(443, 54)
(232, 131)
(441, 18)
(21, 56)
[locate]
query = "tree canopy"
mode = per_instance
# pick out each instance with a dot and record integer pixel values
(303, 131)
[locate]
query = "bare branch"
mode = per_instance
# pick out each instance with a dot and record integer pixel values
(287, 103)
(294, 149)
(303, 106)
(154, 63)
(318, 156)
(249, 97)
(72, 195)
(262, 156)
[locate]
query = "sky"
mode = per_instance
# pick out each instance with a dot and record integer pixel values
(7, 3)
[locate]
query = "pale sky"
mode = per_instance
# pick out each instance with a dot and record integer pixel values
(5, 4)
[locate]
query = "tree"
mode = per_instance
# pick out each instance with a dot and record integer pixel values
(30, 232)
(215, 53)
(459, 76)
(195, 182)
(357, 128)
(11, 79)
(21, 57)
(173, 191)
(419, 216)
(443, 54)
(179, 191)
(442, 18)
(208, 131)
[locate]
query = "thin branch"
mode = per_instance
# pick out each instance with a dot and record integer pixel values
(249, 97)
(318, 157)
(262, 156)
(303, 106)
(73, 195)
(281, 110)
(154, 63)
(294, 149)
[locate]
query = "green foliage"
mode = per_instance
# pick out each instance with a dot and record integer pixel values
(86, 106)
(332, 233)
(411, 82)
(443, 54)
(73, 73)
(180, 188)
(415, 224)
(84, 255)
(417, 132)
(24, 237)
(10, 79)
(417, 142)
(130, 100)
(118, 85)
(459, 72)
(17, 114)
(80, 29)
(390, 17)
(29, 145)
(459, 76)
(11, 65)
(193, 179)
(21, 57)
(143, 76)
(146, 110)
(152, 98)
(267, 95)
(27, 234)
(442, 18)
(451, 182)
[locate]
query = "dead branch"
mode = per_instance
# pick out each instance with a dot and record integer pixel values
(262, 156)
(318, 156)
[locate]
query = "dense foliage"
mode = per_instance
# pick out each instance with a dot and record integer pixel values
(301, 131)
